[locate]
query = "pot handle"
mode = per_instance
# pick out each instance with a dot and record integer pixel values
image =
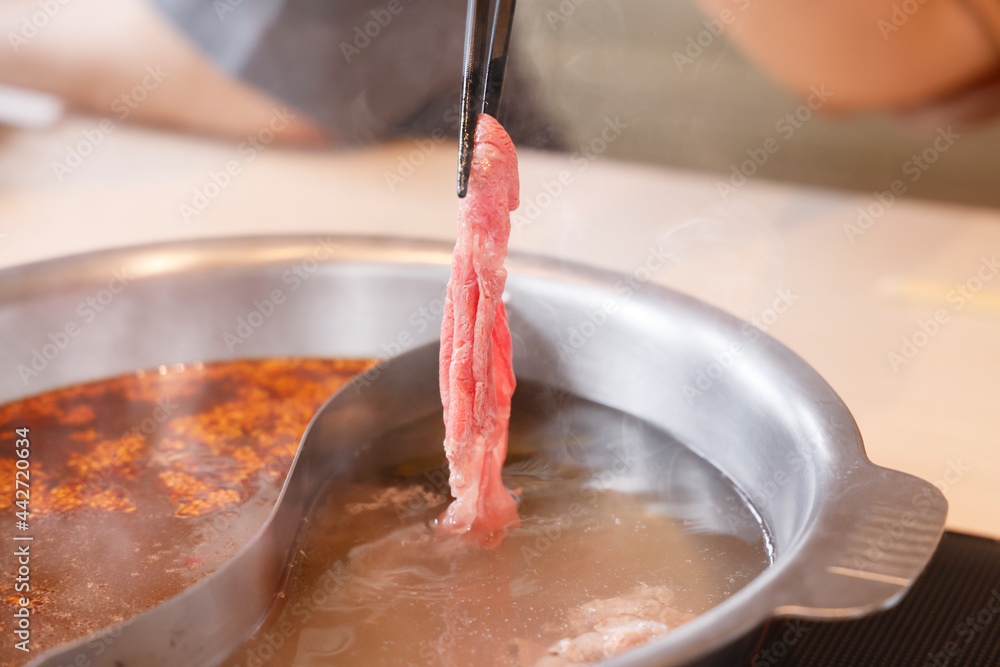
(867, 547)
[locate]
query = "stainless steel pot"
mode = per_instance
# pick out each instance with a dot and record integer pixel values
(849, 537)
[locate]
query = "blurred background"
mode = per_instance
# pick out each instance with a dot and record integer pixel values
(667, 69)
(618, 58)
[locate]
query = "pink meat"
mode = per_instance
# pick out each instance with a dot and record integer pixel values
(477, 375)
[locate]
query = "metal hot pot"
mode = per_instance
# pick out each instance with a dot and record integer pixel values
(848, 536)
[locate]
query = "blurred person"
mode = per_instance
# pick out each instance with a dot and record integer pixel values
(91, 52)
(352, 71)
(937, 59)
(356, 71)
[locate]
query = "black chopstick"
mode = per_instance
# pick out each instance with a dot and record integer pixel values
(503, 21)
(482, 83)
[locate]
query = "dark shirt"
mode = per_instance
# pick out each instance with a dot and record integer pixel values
(364, 69)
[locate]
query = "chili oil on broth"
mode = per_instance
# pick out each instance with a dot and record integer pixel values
(611, 510)
(142, 484)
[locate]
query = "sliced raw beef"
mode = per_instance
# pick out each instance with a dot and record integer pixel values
(477, 376)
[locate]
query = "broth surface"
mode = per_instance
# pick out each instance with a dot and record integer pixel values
(142, 484)
(611, 510)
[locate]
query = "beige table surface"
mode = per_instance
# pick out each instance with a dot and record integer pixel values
(853, 298)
